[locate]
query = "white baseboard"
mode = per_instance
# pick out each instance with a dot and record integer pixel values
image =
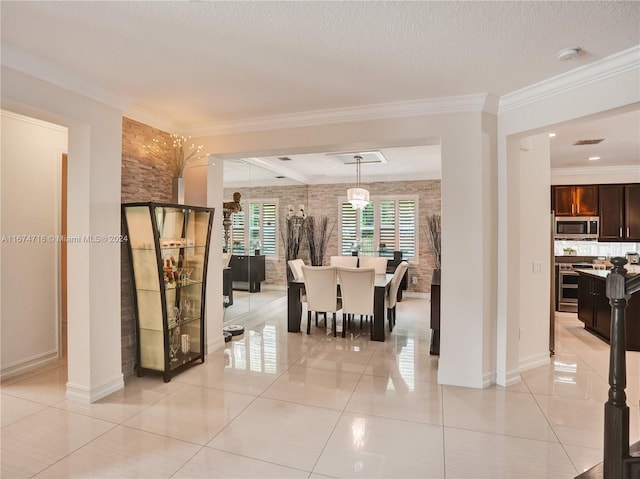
(215, 344)
(538, 360)
(29, 364)
(85, 395)
(465, 379)
(507, 378)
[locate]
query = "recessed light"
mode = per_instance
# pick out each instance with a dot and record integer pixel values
(551, 135)
(594, 158)
(568, 53)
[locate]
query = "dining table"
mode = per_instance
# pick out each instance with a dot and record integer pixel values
(378, 331)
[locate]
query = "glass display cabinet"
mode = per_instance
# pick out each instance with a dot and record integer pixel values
(169, 250)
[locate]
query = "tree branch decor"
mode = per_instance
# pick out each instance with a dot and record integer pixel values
(292, 235)
(318, 235)
(434, 225)
(176, 154)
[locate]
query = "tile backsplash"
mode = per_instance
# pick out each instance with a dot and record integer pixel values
(595, 248)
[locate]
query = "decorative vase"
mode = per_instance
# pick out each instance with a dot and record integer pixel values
(177, 190)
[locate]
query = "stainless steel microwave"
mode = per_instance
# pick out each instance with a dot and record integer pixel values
(577, 227)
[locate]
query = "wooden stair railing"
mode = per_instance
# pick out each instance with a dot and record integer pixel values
(620, 460)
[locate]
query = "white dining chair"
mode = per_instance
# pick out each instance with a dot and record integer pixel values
(321, 284)
(357, 286)
(376, 262)
(392, 293)
(344, 261)
(296, 269)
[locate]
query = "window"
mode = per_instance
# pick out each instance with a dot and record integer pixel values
(255, 227)
(384, 221)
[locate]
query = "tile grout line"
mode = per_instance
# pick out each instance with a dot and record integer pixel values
(342, 412)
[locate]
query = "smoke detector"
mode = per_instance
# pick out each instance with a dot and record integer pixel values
(568, 53)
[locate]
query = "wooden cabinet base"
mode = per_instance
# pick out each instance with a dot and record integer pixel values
(435, 313)
(594, 310)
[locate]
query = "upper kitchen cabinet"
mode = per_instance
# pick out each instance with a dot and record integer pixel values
(575, 200)
(620, 212)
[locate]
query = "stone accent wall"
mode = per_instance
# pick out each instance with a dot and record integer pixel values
(143, 179)
(323, 200)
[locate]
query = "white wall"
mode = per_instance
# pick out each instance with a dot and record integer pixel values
(535, 251)
(597, 87)
(468, 211)
(31, 176)
(94, 165)
(204, 187)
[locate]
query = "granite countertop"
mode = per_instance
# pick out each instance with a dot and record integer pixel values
(597, 273)
(602, 273)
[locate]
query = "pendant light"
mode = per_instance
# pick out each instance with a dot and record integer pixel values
(358, 197)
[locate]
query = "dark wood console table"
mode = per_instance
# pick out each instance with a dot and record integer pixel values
(248, 272)
(227, 290)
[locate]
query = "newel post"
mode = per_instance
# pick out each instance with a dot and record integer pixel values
(616, 411)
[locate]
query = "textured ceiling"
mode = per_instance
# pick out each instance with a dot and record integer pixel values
(214, 64)
(201, 63)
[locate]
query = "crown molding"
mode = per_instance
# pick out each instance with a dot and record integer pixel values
(28, 64)
(143, 116)
(633, 171)
(34, 121)
(613, 65)
(381, 111)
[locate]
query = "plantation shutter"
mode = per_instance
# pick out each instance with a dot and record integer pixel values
(269, 229)
(254, 226)
(367, 230)
(349, 232)
(237, 232)
(388, 225)
(407, 227)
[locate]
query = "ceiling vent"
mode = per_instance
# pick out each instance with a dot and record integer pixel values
(588, 142)
(284, 158)
(366, 157)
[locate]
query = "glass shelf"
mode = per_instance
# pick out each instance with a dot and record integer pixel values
(165, 344)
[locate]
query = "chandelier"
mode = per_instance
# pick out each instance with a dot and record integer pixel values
(358, 197)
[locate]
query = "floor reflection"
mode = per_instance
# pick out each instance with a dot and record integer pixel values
(245, 302)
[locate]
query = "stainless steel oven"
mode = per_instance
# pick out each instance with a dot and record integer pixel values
(568, 286)
(567, 289)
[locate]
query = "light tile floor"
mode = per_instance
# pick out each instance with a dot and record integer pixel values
(279, 405)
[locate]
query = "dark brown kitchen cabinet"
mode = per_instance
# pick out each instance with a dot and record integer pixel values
(620, 212)
(575, 200)
(594, 310)
(632, 212)
(593, 305)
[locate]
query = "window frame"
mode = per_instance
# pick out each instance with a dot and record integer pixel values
(246, 210)
(377, 201)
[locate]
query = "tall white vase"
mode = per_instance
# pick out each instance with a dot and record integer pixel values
(177, 190)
